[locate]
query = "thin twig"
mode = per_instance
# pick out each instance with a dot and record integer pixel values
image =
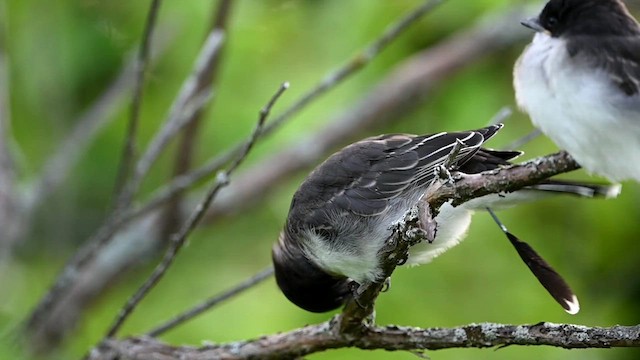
(210, 303)
(141, 65)
(88, 124)
(178, 239)
(190, 100)
(172, 214)
(356, 63)
(503, 114)
(518, 143)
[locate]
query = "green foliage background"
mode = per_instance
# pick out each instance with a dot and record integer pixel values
(63, 54)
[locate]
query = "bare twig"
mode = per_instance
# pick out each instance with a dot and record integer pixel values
(178, 239)
(503, 114)
(210, 303)
(518, 143)
(90, 122)
(188, 102)
(355, 63)
(321, 337)
(141, 64)
(172, 215)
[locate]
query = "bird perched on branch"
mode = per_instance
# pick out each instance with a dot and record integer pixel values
(579, 81)
(341, 216)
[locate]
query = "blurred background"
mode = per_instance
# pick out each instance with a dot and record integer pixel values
(63, 56)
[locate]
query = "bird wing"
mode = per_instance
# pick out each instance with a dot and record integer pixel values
(363, 177)
(618, 55)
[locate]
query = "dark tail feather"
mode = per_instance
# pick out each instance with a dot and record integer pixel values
(546, 275)
(581, 189)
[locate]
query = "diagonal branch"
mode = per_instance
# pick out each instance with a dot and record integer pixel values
(187, 102)
(179, 238)
(210, 303)
(172, 215)
(88, 124)
(141, 64)
(191, 99)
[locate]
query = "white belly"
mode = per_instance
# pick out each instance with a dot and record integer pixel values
(581, 112)
(452, 224)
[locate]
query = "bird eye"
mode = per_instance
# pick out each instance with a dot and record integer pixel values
(552, 21)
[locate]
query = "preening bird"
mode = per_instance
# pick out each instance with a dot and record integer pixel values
(579, 81)
(340, 217)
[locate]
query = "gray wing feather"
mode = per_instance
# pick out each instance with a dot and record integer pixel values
(363, 177)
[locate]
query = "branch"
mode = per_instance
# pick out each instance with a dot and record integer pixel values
(191, 99)
(172, 214)
(142, 61)
(187, 102)
(321, 337)
(210, 303)
(503, 180)
(87, 126)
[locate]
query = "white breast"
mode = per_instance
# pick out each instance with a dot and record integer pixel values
(581, 111)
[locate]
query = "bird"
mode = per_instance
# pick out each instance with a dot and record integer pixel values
(579, 81)
(341, 215)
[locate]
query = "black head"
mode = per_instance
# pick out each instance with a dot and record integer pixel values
(585, 17)
(304, 283)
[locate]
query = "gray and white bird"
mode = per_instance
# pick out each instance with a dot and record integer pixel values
(579, 81)
(341, 215)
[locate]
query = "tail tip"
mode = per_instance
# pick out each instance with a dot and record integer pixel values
(572, 306)
(612, 191)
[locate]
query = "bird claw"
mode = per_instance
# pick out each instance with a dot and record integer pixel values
(443, 173)
(387, 285)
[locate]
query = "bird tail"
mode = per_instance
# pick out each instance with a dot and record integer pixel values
(580, 189)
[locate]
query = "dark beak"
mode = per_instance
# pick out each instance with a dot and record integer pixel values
(533, 24)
